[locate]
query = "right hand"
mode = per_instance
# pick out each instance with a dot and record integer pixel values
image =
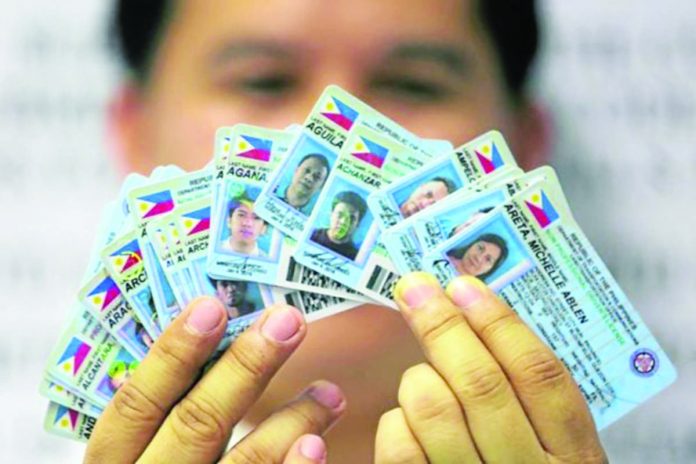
(165, 413)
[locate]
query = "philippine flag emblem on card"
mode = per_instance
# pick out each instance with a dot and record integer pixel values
(74, 355)
(542, 209)
(489, 157)
(127, 256)
(339, 113)
(103, 294)
(370, 152)
(66, 418)
(155, 204)
(196, 221)
(253, 148)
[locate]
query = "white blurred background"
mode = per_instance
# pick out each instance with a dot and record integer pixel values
(617, 77)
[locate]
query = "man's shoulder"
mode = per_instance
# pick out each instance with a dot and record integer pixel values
(320, 235)
(247, 307)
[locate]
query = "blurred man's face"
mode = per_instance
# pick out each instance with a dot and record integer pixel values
(230, 293)
(309, 176)
(345, 218)
(424, 196)
(245, 226)
(428, 64)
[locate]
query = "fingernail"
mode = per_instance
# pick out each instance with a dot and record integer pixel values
(416, 288)
(281, 325)
(466, 290)
(205, 316)
(313, 447)
(327, 394)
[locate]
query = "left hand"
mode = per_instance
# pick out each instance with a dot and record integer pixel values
(491, 391)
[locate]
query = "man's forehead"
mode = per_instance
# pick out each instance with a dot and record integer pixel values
(244, 205)
(346, 206)
(412, 29)
(314, 161)
(228, 283)
(431, 184)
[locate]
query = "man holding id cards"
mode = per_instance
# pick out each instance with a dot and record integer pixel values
(455, 376)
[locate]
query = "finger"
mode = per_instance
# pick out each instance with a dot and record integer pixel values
(199, 426)
(139, 407)
(496, 420)
(435, 417)
(548, 393)
(395, 443)
(308, 449)
(314, 411)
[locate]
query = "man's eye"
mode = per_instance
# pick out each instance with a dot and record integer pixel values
(412, 88)
(274, 84)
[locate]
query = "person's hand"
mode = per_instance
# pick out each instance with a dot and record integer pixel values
(491, 391)
(165, 413)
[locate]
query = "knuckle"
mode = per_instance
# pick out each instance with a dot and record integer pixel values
(399, 453)
(590, 455)
(423, 399)
(481, 383)
(390, 450)
(169, 353)
(416, 372)
(197, 422)
(539, 370)
(427, 407)
(254, 453)
(440, 324)
(134, 405)
(501, 323)
(250, 364)
(304, 420)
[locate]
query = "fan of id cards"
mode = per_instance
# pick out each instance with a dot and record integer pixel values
(326, 216)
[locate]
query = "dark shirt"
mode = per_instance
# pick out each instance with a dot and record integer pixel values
(346, 249)
(245, 307)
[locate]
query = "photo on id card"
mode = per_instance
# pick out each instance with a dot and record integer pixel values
(341, 234)
(239, 297)
(244, 245)
(120, 370)
(484, 157)
(489, 250)
(408, 241)
(292, 194)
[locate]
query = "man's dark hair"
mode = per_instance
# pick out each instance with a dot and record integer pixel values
(317, 156)
(236, 203)
(449, 185)
(237, 283)
(239, 201)
(352, 199)
(512, 25)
